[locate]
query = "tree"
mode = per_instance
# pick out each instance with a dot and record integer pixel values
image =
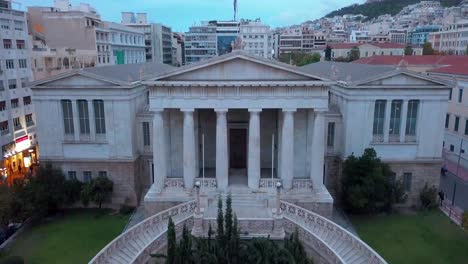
(171, 243)
(184, 249)
(328, 53)
(72, 191)
(354, 54)
(294, 246)
(428, 197)
(408, 50)
(299, 58)
(98, 191)
(368, 184)
(6, 200)
(427, 49)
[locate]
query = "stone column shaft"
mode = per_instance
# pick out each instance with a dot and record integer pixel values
(287, 148)
(189, 149)
(318, 151)
(159, 150)
(222, 163)
(404, 115)
(253, 170)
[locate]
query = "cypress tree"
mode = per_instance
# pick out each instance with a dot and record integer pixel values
(220, 222)
(171, 243)
(228, 218)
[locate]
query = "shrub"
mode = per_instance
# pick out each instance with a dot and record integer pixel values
(12, 260)
(465, 221)
(98, 191)
(428, 197)
(126, 209)
(72, 191)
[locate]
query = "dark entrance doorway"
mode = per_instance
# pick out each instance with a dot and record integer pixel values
(238, 148)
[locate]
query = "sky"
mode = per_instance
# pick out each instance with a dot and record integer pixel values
(181, 14)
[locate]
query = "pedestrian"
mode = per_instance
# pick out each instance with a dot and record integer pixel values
(443, 170)
(441, 197)
(19, 167)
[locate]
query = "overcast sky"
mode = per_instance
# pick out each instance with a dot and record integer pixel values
(180, 14)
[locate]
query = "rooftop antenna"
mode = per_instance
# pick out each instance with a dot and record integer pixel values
(235, 10)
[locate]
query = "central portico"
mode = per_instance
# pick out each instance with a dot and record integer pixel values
(240, 121)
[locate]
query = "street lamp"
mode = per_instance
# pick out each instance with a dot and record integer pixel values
(278, 188)
(197, 186)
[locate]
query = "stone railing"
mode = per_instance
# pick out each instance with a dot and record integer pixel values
(332, 242)
(207, 183)
(136, 244)
(302, 184)
(268, 182)
(174, 183)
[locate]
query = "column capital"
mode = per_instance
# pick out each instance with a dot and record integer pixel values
(221, 110)
(187, 110)
(255, 110)
(157, 110)
(289, 110)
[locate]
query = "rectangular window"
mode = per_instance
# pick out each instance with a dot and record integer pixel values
(14, 103)
(20, 44)
(2, 106)
(379, 117)
(457, 123)
(71, 175)
(450, 94)
(7, 43)
(460, 95)
(83, 116)
(411, 118)
(4, 23)
(17, 123)
(4, 128)
(452, 148)
(29, 120)
(67, 116)
(27, 100)
(10, 64)
(395, 118)
(19, 25)
(466, 127)
(99, 118)
(102, 174)
(12, 84)
(447, 120)
(2, 87)
(87, 176)
(146, 134)
(23, 63)
(407, 179)
(24, 81)
(331, 134)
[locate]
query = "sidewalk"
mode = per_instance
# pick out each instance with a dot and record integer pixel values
(455, 213)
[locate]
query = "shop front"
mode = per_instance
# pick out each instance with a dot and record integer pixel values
(19, 158)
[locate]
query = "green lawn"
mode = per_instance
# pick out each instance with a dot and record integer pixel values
(74, 238)
(422, 238)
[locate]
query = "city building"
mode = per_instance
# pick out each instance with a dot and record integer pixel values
(302, 40)
(71, 37)
(17, 117)
(342, 50)
(158, 37)
(452, 69)
(420, 34)
(398, 36)
(178, 49)
(215, 38)
(155, 130)
(359, 36)
(452, 39)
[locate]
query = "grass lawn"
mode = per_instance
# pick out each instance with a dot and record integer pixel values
(423, 238)
(73, 238)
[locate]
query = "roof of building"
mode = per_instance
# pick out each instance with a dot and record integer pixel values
(449, 64)
(130, 72)
(343, 71)
(379, 45)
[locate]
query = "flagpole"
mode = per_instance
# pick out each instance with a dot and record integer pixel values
(272, 158)
(203, 162)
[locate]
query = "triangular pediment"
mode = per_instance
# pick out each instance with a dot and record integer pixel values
(238, 67)
(75, 79)
(402, 79)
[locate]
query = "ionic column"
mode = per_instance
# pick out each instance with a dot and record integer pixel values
(287, 148)
(189, 148)
(388, 108)
(318, 151)
(253, 166)
(222, 163)
(159, 151)
(404, 116)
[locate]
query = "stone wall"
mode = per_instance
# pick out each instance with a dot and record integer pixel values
(122, 174)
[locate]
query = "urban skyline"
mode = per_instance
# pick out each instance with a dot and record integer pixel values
(180, 15)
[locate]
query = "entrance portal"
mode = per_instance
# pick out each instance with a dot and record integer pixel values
(238, 148)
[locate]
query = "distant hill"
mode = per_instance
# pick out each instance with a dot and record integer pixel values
(375, 9)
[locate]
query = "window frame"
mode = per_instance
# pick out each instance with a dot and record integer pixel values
(67, 116)
(83, 116)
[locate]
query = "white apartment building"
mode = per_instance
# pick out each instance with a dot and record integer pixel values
(452, 39)
(158, 37)
(359, 36)
(256, 38)
(17, 118)
(119, 44)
